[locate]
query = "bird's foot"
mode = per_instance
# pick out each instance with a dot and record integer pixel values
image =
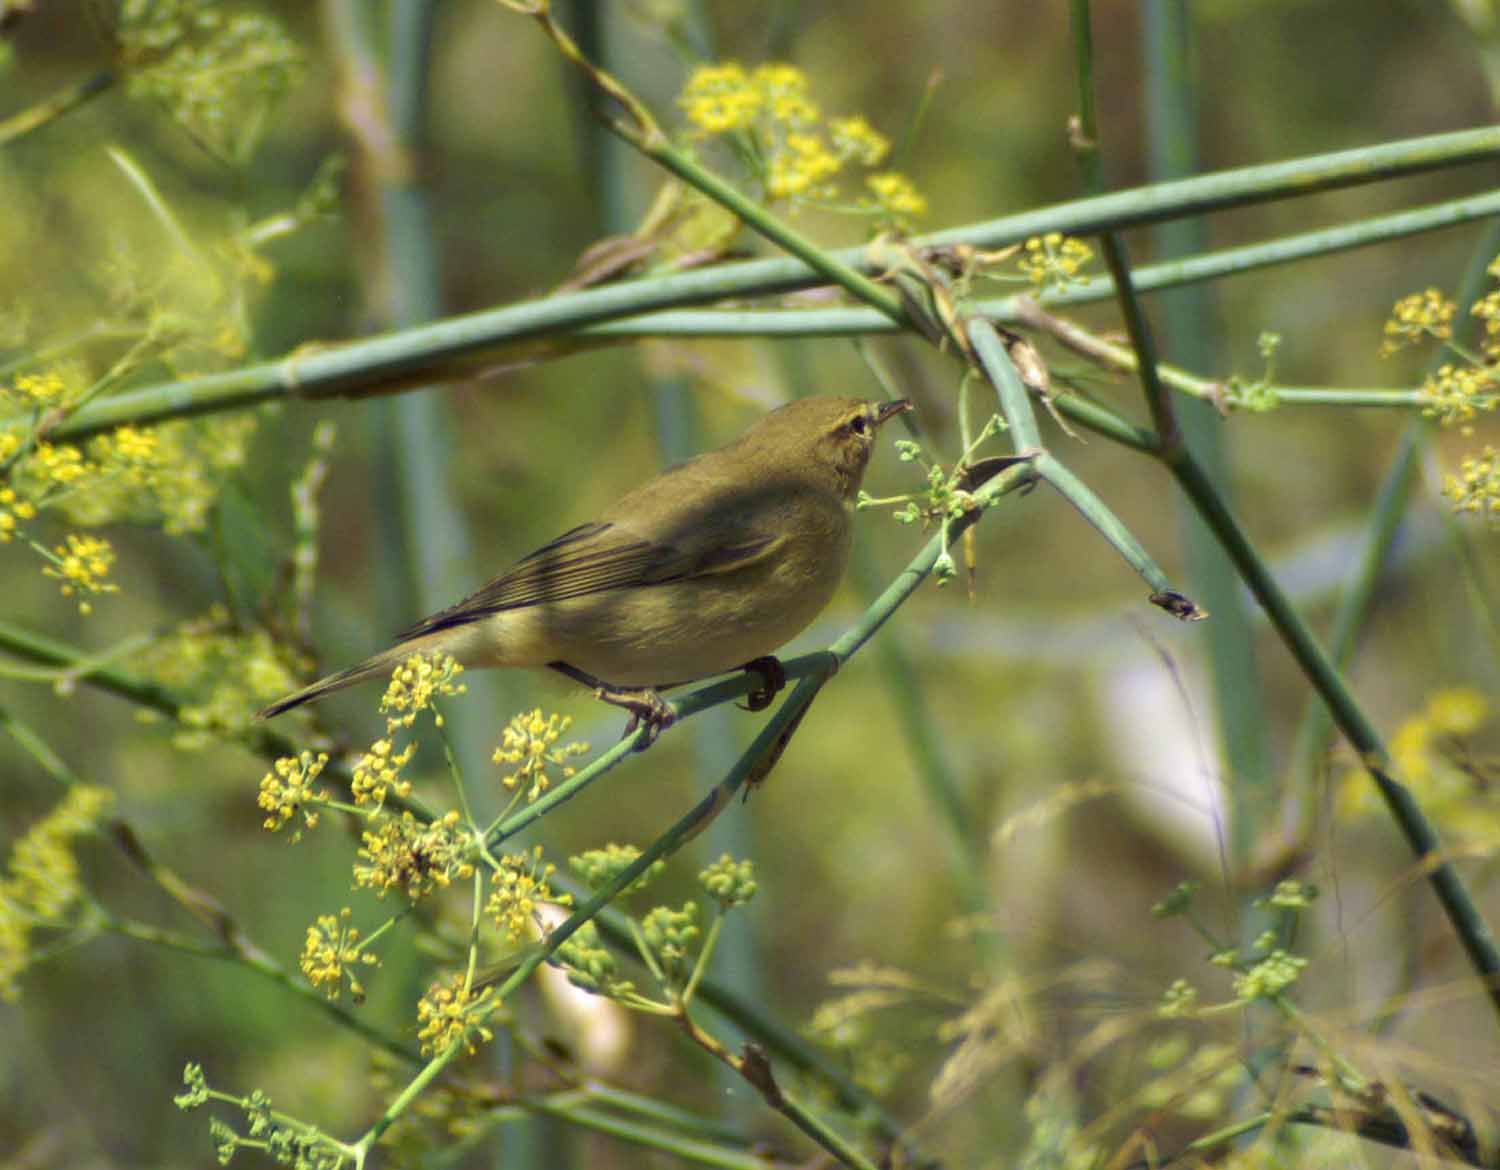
(772, 681)
(647, 709)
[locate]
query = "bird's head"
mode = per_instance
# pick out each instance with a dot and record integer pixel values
(825, 438)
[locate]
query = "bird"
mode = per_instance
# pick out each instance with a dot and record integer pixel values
(706, 568)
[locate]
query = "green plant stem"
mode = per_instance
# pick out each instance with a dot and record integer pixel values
(65, 100)
(1463, 913)
(475, 341)
(650, 1136)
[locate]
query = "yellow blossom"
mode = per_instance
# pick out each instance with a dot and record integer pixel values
(415, 684)
(801, 167)
(42, 389)
(330, 952)
(518, 887)
(720, 98)
(785, 90)
(10, 443)
(13, 511)
(1056, 259)
(59, 465)
(82, 564)
(1457, 710)
(1456, 393)
(288, 789)
(452, 1013)
(1487, 309)
(42, 884)
(378, 772)
(402, 853)
(896, 195)
(528, 740)
(855, 138)
(1476, 488)
(1416, 317)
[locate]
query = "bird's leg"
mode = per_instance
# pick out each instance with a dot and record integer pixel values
(772, 680)
(645, 704)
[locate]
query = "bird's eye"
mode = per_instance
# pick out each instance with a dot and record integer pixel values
(858, 425)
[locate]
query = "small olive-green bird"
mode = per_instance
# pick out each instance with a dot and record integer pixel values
(707, 568)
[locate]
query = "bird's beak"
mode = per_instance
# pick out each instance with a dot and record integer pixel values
(889, 410)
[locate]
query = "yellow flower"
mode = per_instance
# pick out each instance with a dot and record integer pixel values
(1457, 710)
(801, 167)
(451, 1013)
(897, 195)
(42, 883)
(82, 564)
(13, 510)
(42, 389)
(415, 684)
(1456, 393)
(1476, 488)
(402, 853)
(528, 740)
(288, 788)
(1055, 258)
(330, 952)
(1416, 317)
(62, 465)
(785, 90)
(378, 772)
(518, 887)
(720, 98)
(855, 138)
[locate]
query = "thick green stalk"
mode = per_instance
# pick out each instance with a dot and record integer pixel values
(462, 344)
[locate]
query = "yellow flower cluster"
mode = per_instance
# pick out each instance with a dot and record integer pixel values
(451, 1013)
(1487, 309)
(378, 773)
(330, 953)
(82, 564)
(1476, 487)
(528, 740)
(415, 684)
(1416, 317)
(47, 389)
(13, 511)
(402, 853)
(1055, 259)
(1455, 394)
(518, 887)
(41, 884)
(288, 789)
(798, 151)
(1423, 752)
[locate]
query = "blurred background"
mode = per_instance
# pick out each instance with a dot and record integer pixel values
(1078, 723)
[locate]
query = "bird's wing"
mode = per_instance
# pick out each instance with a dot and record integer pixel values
(593, 558)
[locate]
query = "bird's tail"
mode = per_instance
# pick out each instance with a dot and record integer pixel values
(377, 666)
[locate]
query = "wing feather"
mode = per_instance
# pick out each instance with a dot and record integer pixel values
(592, 558)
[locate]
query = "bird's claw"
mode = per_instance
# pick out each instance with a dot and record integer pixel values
(772, 681)
(647, 709)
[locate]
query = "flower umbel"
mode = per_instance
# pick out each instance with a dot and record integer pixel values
(451, 1013)
(82, 564)
(1417, 317)
(529, 740)
(518, 887)
(1476, 487)
(402, 853)
(415, 684)
(288, 789)
(330, 953)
